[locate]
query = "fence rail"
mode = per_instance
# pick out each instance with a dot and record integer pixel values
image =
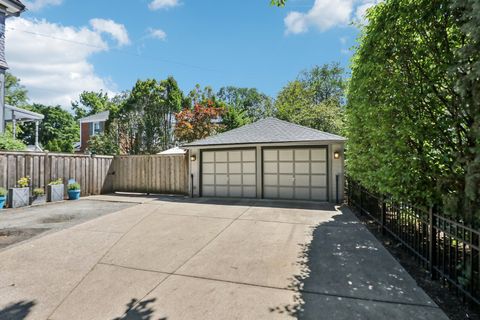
(449, 249)
(92, 172)
(151, 174)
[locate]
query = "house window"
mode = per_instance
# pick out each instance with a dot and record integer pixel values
(95, 128)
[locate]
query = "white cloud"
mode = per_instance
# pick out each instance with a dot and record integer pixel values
(36, 5)
(163, 4)
(326, 14)
(54, 71)
(157, 34)
(116, 30)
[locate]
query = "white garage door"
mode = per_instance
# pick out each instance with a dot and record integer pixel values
(229, 173)
(297, 173)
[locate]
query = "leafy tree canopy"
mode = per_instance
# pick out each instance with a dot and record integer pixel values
(90, 103)
(314, 99)
(7, 143)
(15, 93)
(253, 104)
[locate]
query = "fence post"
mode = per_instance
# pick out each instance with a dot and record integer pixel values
(432, 243)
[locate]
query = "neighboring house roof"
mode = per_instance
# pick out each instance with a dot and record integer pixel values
(21, 114)
(99, 117)
(268, 130)
(173, 151)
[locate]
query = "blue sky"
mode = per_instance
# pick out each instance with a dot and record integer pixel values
(60, 47)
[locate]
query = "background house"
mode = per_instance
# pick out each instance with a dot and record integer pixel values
(91, 126)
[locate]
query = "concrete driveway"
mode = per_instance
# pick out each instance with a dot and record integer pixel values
(172, 258)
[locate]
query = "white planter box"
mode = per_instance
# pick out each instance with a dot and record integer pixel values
(55, 192)
(18, 197)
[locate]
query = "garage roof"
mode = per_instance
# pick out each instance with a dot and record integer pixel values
(268, 130)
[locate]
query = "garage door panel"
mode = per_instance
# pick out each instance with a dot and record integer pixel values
(286, 180)
(285, 167)
(234, 156)
(319, 194)
(221, 156)
(270, 155)
(270, 167)
(319, 180)
(249, 179)
(302, 193)
(221, 191)
(302, 180)
(319, 168)
(235, 179)
(298, 173)
(208, 168)
(319, 154)
(249, 155)
(221, 179)
(249, 192)
(285, 155)
(229, 173)
(235, 168)
(221, 167)
(249, 167)
(302, 155)
(235, 191)
(208, 191)
(208, 179)
(285, 192)
(302, 167)
(270, 192)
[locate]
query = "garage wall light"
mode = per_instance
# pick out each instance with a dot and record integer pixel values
(193, 157)
(336, 155)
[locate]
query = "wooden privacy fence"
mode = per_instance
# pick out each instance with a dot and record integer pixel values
(449, 249)
(92, 172)
(160, 174)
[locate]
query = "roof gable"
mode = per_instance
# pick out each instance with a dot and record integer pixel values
(268, 130)
(98, 117)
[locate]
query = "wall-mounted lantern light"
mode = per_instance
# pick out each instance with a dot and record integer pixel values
(336, 155)
(193, 157)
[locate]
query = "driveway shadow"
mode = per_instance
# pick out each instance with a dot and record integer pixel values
(139, 310)
(17, 311)
(347, 274)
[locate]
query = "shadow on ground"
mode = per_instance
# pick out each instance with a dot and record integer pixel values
(17, 311)
(347, 274)
(139, 311)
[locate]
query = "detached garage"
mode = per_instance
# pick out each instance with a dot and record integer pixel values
(270, 159)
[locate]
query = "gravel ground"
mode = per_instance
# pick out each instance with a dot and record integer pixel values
(17, 225)
(452, 305)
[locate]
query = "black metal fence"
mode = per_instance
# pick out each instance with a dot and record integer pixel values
(448, 249)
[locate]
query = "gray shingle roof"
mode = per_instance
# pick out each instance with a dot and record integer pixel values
(98, 117)
(268, 130)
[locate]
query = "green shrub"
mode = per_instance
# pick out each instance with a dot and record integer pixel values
(3, 192)
(23, 182)
(56, 182)
(74, 186)
(7, 143)
(38, 192)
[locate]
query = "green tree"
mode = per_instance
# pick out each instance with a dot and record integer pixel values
(249, 101)
(58, 131)
(90, 103)
(409, 126)
(7, 143)
(103, 144)
(314, 99)
(233, 118)
(15, 93)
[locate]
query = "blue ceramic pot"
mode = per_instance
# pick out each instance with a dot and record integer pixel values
(73, 194)
(2, 202)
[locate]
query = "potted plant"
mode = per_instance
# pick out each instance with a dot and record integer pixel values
(73, 191)
(3, 197)
(55, 190)
(38, 196)
(19, 196)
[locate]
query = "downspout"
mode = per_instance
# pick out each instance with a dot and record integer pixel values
(3, 69)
